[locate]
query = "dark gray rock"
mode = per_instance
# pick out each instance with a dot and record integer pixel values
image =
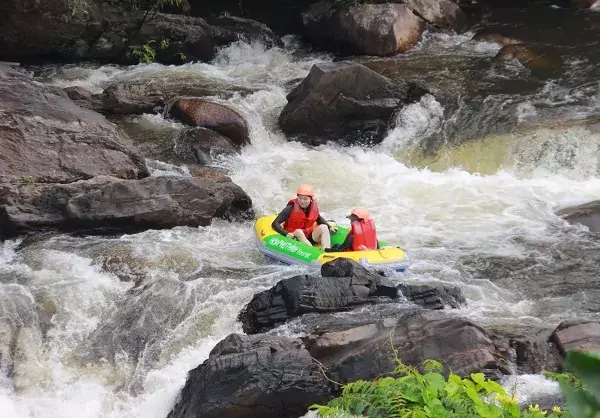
(344, 102)
(253, 377)
(47, 138)
(105, 204)
(431, 297)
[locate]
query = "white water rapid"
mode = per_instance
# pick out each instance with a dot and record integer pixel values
(208, 274)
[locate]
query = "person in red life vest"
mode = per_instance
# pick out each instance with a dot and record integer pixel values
(362, 235)
(301, 219)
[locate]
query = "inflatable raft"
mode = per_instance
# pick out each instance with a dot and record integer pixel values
(290, 251)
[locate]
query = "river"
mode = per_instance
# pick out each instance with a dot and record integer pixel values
(479, 214)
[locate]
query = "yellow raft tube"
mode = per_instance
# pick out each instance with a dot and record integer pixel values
(290, 251)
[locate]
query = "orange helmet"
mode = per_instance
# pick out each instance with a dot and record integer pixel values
(361, 213)
(306, 190)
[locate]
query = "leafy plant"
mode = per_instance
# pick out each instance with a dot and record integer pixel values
(28, 179)
(147, 54)
(412, 394)
(564, 377)
(584, 401)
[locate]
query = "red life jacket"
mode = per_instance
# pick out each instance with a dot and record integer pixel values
(299, 220)
(364, 236)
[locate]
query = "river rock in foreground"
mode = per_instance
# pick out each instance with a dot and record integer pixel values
(105, 204)
(253, 376)
(344, 102)
(273, 376)
(344, 284)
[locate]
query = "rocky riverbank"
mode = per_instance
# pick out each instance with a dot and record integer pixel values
(265, 374)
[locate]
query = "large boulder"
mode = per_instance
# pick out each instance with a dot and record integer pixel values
(215, 116)
(144, 93)
(253, 377)
(577, 335)
(462, 346)
(298, 295)
(345, 102)
(302, 294)
(587, 214)
(48, 138)
(363, 29)
(105, 204)
(439, 13)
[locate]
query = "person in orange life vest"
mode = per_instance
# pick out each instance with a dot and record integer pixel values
(362, 235)
(300, 219)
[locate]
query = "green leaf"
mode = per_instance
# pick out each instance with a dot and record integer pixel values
(435, 380)
(587, 367)
(473, 395)
(580, 403)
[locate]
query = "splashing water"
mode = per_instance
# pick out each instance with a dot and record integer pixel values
(440, 215)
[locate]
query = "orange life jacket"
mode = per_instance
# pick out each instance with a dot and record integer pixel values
(364, 236)
(299, 220)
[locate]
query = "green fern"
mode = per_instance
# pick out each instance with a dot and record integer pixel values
(408, 393)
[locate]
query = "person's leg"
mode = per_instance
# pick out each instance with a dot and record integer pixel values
(321, 235)
(301, 237)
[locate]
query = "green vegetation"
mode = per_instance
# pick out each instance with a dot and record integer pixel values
(29, 179)
(409, 393)
(147, 54)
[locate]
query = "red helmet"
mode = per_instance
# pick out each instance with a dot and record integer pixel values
(306, 190)
(361, 213)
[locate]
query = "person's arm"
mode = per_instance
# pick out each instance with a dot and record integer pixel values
(321, 221)
(281, 218)
(345, 245)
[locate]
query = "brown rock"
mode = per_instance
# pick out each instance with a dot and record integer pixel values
(529, 57)
(577, 336)
(48, 138)
(440, 13)
(220, 118)
(364, 29)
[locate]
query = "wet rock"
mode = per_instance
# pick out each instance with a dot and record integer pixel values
(491, 35)
(577, 335)
(535, 354)
(460, 345)
(345, 102)
(105, 204)
(201, 145)
(229, 28)
(217, 117)
(439, 13)
(531, 58)
(48, 138)
(84, 98)
(189, 39)
(110, 31)
(48, 32)
(156, 89)
(298, 295)
(363, 29)
(587, 214)
(253, 376)
(346, 267)
(434, 297)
